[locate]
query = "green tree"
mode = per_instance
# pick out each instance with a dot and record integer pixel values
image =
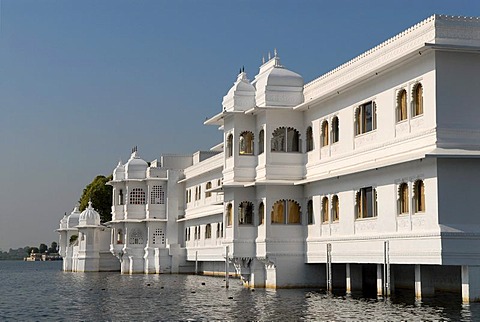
(53, 248)
(43, 248)
(101, 196)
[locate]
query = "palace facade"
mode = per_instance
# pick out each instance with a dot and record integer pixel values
(365, 175)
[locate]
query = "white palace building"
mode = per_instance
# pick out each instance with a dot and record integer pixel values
(364, 177)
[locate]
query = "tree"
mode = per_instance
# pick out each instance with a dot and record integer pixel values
(34, 250)
(53, 248)
(43, 248)
(101, 196)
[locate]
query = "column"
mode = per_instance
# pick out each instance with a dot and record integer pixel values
(470, 284)
(354, 277)
(424, 281)
(379, 279)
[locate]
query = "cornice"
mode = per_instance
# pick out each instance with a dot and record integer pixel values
(372, 60)
(208, 165)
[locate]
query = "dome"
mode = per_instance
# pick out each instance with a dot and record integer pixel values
(119, 171)
(63, 222)
(135, 168)
(89, 217)
(72, 219)
(241, 96)
(284, 77)
(277, 86)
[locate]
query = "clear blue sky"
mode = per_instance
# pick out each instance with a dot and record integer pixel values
(81, 82)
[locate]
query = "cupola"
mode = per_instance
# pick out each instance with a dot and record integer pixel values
(241, 96)
(89, 217)
(135, 168)
(72, 219)
(277, 86)
(119, 171)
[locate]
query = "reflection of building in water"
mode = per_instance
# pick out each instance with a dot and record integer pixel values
(358, 177)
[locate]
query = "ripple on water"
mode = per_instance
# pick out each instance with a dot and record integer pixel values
(41, 291)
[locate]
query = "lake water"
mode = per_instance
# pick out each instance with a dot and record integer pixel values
(40, 291)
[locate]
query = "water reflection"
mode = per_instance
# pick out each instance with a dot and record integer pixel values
(40, 291)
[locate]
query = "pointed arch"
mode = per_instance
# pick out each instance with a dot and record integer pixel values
(401, 105)
(325, 134)
(309, 139)
(246, 143)
(419, 195)
(417, 94)
(403, 199)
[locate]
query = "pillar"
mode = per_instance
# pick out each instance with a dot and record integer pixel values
(379, 279)
(470, 284)
(424, 281)
(354, 277)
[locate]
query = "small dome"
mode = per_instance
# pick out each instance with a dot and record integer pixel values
(241, 96)
(72, 219)
(119, 171)
(135, 168)
(89, 217)
(63, 222)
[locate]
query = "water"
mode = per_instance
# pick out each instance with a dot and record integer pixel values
(40, 291)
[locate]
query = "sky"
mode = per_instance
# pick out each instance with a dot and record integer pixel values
(82, 82)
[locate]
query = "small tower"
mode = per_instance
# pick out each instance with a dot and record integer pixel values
(88, 254)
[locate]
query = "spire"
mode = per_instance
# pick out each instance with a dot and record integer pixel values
(89, 203)
(275, 52)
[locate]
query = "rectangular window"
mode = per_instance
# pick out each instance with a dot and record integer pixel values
(365, 117)
(366, 203)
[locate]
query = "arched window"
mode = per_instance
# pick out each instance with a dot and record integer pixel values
(246, 143)
(207, 187)
(137, 196)
(365, 118)
(310, 212)
(335, 130)
(261, 213)
(261, 141)
(309, 139)
(208, 231)
(286, 211)
(157, 195)
(402, 105)
(335, 208)
(403, 198)
(419, 196)
(325, 212)
(325, 133)
(229, 215)
(120, 197)
(245, 213)
(229, 145)
(136, 237)
(366, 203)
(285, 139)
(417, 99)
(120, 236)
